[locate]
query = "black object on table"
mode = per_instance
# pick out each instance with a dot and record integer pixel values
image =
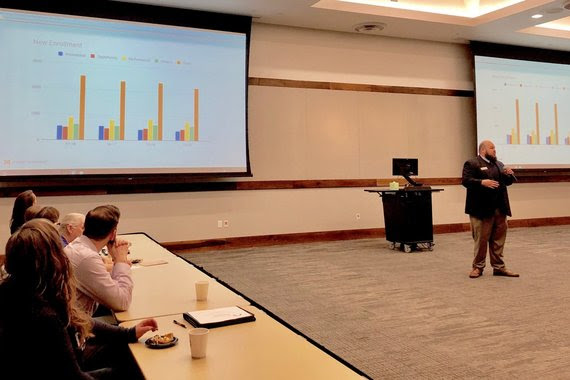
(408, 216)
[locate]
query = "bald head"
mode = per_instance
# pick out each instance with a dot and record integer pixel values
(487, 150)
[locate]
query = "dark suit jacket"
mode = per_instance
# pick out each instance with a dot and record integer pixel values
(482, 201)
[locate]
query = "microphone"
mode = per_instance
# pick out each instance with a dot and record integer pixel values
(511, 175)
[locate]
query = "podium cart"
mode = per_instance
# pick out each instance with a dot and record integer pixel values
(408, 217)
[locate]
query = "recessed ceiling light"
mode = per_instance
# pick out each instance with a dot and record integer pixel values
(538, 15)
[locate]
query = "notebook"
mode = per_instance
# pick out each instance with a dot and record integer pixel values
(223, 316)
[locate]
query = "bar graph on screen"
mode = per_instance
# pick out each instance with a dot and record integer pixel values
(121, 98)
(533, 138)
(153, 131)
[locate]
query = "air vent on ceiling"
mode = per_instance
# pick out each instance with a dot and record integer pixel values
(369, 27)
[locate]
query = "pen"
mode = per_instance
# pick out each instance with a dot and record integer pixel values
(178, 323)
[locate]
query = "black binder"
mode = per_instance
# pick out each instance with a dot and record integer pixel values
(223, 316)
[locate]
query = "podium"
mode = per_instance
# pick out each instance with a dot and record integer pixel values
(408, 216)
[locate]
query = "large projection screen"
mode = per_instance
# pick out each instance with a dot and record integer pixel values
(95, 96)
(523, 106)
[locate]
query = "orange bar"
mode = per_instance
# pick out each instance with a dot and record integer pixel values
(106, 134)
(518, 137)
(82, 108)
(556, 124)
(537, 124)
(64, 133)
(145, 134)
(122, 111)
(196, 114)
(182, 135)
(160, 99)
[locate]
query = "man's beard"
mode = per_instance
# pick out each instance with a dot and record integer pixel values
(493, 159)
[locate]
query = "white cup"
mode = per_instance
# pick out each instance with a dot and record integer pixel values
(202, 290)
(198, 339)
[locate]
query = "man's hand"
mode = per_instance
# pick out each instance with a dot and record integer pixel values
(508, 171)
(490, 183)
(119, 250)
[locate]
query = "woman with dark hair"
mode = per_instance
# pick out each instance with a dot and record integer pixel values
(50, 213)
(21, 204)
(40, 322)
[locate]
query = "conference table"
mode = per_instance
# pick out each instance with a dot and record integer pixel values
(263, 349)
(169, 287)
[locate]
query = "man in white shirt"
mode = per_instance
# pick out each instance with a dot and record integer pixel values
(95, 284)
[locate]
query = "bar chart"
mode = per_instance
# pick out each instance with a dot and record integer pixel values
(552, 138)
(533, 138)
(190, 133)
(73, 131)
(523, 107)
(116, 132)
(113, 131)
(153, 132)
(94, 100)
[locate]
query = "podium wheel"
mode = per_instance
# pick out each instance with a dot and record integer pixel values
(391, 245)
(407, 248)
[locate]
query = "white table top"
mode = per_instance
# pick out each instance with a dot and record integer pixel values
(169, 288)
(264, 349)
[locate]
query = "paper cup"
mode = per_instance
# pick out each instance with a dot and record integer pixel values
(202, 290)
(198, 339)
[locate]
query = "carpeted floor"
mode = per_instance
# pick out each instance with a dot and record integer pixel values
(397, 315)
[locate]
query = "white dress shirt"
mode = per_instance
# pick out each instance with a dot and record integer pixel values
(94, 284)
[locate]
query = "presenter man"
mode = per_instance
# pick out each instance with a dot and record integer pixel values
(487, 204)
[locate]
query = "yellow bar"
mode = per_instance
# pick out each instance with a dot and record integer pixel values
(82, 108)
(70, 128)
(160, 101)
(112, 130)
(187, 131)
(150, 130)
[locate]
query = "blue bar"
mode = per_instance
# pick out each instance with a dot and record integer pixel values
(101, 132)
(59, 135)
(177, 135)
(140, 135)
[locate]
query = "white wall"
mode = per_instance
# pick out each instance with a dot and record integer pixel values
(319, 134)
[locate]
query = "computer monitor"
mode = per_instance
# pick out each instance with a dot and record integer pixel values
(406, 167)
(401, 166)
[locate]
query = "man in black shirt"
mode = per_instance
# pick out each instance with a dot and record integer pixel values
(487, 204)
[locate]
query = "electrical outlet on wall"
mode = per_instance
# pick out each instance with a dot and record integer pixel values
(357, 216)
(220, 224)
(226, 223)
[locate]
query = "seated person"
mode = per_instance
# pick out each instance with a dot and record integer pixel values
(71, 227)
(21, 204)
(41, 324)
(50, 213)
(96, 286)
(32, 212)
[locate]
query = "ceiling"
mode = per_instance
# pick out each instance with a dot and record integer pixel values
(456, 21)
